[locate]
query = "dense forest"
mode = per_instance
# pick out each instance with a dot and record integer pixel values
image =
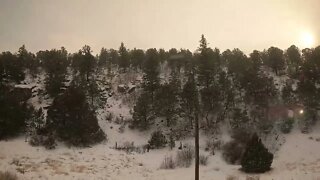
(231, 90)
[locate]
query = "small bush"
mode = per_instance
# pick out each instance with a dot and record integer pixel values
(157, 140)
(129, 147)
(8, 176)
(203, 159)
(241, 135)
(168, 163)
(231, 177)
(212, 145)
(185, 156)
(286, 125)
(172, 143)
(256, 158)
(47, 141)
(252, 178)
(232, 152)
(109, 117)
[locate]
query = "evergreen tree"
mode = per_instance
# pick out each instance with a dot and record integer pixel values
(12, 67)
(103, 60)
(157, 140)
(143, 113)
(294, 59)
(151, 80)
(71, 119)
(55, 63)
(276, 59)
(208, 62)
(28, 60)
(84, 62)
(137, 57)
(13, 113)
(124, 60)
(256, 158)
(189, 97)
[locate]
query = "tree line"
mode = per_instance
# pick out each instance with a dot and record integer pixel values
(219, 85)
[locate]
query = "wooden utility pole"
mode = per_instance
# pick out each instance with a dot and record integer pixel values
(196, 134)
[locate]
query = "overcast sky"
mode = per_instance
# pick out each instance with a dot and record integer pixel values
(244, 24)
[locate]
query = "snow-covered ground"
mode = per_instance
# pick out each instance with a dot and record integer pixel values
(298, 158)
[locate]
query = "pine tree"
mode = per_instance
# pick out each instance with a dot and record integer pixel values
(151, 80)
(55, 63)
(208, 61)
(256, 158)
(84, 62)
(124, 60)
(13, 113)
(143, 113)
(12, 67)
(276, 59)
(167, 100)
(190, 100)
(72, 120)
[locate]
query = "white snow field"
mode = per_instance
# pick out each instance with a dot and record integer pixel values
(298, 158)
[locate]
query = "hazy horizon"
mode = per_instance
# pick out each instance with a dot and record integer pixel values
(246, 25)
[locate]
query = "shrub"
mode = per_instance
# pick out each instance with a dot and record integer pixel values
(231, 177)
(232, 152)
(168, 163)
(172, 143)
(212, 145)
(8, 176)
(129, 147)
(252, 178)
(286, 125)
(241, 135)
(203, 159)
(47, 141)
(71, 119)
(157, 140)
(185, 156)
(256, 158)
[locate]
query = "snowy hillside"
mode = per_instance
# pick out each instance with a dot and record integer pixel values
(298, 158)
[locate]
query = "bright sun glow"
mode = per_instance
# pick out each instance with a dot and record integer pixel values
(301, 111)
(307, 39)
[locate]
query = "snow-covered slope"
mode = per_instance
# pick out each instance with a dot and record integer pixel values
(298, 158)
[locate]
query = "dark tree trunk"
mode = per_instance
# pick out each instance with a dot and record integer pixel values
(196, 146)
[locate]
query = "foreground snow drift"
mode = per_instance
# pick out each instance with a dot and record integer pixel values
(298, 158)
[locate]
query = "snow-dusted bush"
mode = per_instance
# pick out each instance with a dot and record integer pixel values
(286, 125)
(168, 163)
(232, 152)
(203, 159)
(46, 140)
(256, 158)
(8, 176)
(109, 116)
(212, 145)
(231, 177)
(157, 140)
(185, 156)
(129, 147)
(252, 177)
